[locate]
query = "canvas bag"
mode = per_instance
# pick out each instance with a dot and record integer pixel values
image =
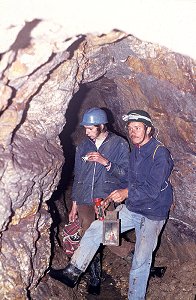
(71, 237)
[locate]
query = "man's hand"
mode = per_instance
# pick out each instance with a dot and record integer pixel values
(73, 215)
(118, 196)
(97, 157)
(106, 202)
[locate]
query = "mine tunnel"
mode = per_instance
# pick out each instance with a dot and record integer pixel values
(42, 106)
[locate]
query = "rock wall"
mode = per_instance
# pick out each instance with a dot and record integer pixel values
(40, 73)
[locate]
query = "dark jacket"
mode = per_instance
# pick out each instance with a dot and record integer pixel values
(92, 180)
(150, 192)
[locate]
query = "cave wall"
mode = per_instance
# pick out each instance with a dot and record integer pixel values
(39, 78)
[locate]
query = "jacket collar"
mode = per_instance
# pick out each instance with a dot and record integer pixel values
(148, 147)
(110, 134)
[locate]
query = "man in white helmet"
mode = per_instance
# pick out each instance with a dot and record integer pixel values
(148, 198)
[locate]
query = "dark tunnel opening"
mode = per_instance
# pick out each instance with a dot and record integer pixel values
(89, 95)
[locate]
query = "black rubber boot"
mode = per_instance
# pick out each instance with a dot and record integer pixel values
(69, 275)
(157, 271)
(94, 285)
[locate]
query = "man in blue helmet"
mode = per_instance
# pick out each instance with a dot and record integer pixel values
(101, 165)
(148, 199)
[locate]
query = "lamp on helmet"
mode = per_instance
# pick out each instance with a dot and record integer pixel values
(138, 116)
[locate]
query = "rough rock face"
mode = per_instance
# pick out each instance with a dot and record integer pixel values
(40, 73)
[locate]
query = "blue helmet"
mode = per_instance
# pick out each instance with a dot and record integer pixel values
(94, 116)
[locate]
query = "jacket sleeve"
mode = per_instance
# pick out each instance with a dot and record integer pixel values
(119, 169)
(77, 168)
(157, 178)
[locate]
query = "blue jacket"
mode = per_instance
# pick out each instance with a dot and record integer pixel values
(91, 179)
(149, 190)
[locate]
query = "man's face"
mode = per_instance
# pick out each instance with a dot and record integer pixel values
(138, 133)
(92, 132)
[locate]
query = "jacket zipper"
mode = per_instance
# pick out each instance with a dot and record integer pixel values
(93, 181)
